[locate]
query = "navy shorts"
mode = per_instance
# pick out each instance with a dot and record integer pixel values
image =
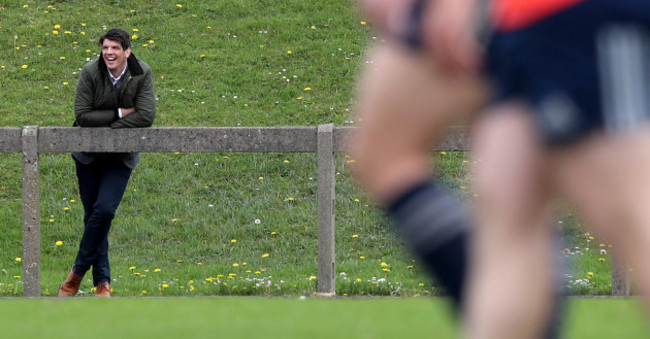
(583, 70)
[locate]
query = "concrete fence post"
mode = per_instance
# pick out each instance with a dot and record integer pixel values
(326, 196)
(31, 213)
(620, 279)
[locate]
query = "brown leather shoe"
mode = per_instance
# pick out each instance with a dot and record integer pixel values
(70, 286)
(103, 290)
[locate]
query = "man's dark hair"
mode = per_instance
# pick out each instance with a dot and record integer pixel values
(117, 34)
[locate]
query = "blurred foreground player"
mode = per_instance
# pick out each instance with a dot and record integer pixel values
(570, 121)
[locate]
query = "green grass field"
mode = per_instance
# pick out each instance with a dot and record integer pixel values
(282, 318)
(217, 224)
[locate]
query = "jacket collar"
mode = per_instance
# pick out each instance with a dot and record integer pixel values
(132, 64)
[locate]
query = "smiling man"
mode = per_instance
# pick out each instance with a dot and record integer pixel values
(116, 91)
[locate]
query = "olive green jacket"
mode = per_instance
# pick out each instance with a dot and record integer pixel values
(96, 102)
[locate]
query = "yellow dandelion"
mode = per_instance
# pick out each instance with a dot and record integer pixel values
(383, 264)
(51, 220)
(409, 267)
(602, 245)
(65, 83)
(165, 285)
(601, 259)
(362, 257)
(83, 24)
(299, 98)
(421, 284)
(143, 292)
(132, 268)
(135, 30)
(289, 199)
(174, 220)
(2, 67)
(265, 255)
(66, 208)
(59, 243)
(591, 238)
(312, 278)
(179, 261)
(179, 5)
(358, 280)
(289, 52)
(157, 270)
(233, 241)
(18, 259)
(286, 161)
(363, 23)
(274, 233)
(24, 66)
(385, 270)
(57, 26)
(72, 201)
(261, 178)
(67, 32)
(356, 200)
(55, 32)
(355, 236)
(307, 89)
(134, 37)
(151, 41)
(235, 265)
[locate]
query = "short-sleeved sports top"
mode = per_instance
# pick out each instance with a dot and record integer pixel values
(508, 15)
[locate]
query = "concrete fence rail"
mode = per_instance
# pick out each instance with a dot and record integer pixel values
(325, 140)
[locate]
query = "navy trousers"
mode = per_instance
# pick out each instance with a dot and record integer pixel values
(102, 184)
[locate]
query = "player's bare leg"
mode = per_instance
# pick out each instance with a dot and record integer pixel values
(405, 104)
(608, 180)
(512, 285)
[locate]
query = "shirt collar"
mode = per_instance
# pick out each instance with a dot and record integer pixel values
(114, 80)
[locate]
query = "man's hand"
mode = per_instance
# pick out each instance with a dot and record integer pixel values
(450, 34)
(447, 31)
(127, 111)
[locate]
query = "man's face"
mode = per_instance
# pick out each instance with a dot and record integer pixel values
(114, 56)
